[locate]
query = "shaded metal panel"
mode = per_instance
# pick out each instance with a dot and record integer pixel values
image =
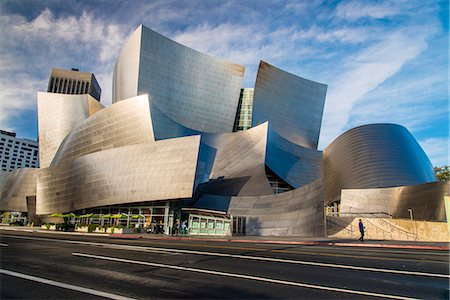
(20, 183)
(121, 124)
(193, 89)
(166, 128)
(58, 114)
(372, 156)
(293, 105)
(126, 69)
(295, 164)
(426, 201)
(237, 166)
(298, 212)
(160, 170)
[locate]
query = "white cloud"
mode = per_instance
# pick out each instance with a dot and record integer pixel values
(437, 149)
(363, 73)
(356, 9)
(34, 46)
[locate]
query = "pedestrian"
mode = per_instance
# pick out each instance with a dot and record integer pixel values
(361, 230)
(183, 228)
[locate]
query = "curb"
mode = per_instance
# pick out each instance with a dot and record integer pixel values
(310, 243)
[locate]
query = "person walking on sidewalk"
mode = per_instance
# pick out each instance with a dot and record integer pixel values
(361, 230)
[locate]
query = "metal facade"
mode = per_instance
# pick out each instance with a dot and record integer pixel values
(193, 89)
(374, 156)
(292, 105)
(17, 185)
(426, 201)
(58, 114)
(125, 123)
(162, 170)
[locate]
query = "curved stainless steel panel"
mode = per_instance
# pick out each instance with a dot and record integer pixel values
(295, 164)
(121, 124)
(20, 184)
(160, 170)
(293, 105)
(58, 114)
(193, 89)
(372, 156)
(236, 162)
(425, 200)
(298, 212)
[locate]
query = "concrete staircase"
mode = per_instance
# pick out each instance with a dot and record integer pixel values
(381, 227)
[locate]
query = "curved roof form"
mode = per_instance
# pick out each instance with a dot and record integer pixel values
(193, 89)
(121, 124)
(374, 156)
(58, 114)
(295, 164)
(234, 162)
(293, 105)
(153, 171)
(19, 184)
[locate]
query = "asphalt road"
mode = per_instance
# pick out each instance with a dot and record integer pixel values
(50, 266)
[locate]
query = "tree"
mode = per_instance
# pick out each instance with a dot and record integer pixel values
(442, 173)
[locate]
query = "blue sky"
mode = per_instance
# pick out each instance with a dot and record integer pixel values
(383, 61)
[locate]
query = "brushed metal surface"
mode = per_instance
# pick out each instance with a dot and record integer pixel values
(121, 124)
(293, 105)
(293, 163)
(372, 156)
(193, 89)
(298, 212)
(234, 162)
(162, 170)
(426, 201)
(58, 114)
(19, 184)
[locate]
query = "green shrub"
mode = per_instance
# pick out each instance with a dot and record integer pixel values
(47, 225)
(92, 227)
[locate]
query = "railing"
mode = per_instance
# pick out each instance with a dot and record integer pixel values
(386, 230)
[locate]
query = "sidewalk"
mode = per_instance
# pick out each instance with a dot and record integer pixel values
(291, 240)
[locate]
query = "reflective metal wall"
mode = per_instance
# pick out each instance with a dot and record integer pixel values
(372, 156)
(234, 162)
(425, 200)
(58, 114)
(295, 164)
(298, 212)
(121, 124)
(19, 184)
(160, 170)
(193, 89)
(293, 105)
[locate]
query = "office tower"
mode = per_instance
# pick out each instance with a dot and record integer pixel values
(73, 82)
(17, 153)
(243, 119)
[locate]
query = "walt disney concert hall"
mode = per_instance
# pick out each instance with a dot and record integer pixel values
(184, 141)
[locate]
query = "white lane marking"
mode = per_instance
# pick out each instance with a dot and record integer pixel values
(3, 245)
(264, 279)
(260, 258)
(64, 285)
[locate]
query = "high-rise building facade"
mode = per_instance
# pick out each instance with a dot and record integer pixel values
(17, 153)
(245, 108)
(73, 82)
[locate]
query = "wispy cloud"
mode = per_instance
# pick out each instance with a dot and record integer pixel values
(364, 72)
(34, 46)
(437, 149)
